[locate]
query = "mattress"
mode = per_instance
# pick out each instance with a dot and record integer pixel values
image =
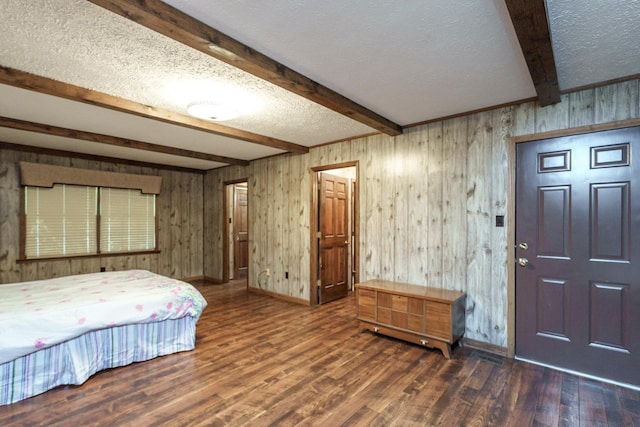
(63, 330)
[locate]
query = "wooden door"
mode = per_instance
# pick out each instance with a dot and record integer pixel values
(578, 247)
(240, 232)
(334, 237)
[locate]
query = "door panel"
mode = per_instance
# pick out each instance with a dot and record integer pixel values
(334, 237)
(578, 291)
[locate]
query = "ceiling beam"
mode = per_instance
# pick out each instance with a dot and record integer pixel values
(93, 157)
(171, 22)
(24, 80)
(530, 21)
(112, 140)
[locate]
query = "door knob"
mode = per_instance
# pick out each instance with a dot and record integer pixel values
(524, 246)
(523, 261)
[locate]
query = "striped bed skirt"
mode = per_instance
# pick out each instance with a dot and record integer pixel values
(74, 361)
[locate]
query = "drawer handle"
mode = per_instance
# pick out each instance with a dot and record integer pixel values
(423, 342)
(376, 329)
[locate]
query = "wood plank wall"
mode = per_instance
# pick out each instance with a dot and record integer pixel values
(428, 201)
(180, 234)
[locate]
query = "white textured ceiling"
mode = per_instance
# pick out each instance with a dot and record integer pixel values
(408, 61)
(594, 40)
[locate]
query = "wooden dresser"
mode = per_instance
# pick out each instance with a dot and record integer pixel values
(427, 316)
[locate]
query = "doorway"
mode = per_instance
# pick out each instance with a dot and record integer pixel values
(334, 232)
(578, 263)
(236, 236)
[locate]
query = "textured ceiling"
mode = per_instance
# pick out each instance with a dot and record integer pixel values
(595, 40)
(409, 61)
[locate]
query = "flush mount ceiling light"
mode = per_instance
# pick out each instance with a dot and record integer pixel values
(211, 111)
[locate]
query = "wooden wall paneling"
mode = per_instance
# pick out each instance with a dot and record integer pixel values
(214, 213)
(163, 204)
(399, 169)
(524, 118)
(297, 233)
(383, 212)
(270, 223)
(197, 230)
(184, 224)
(328, 155)
(291, 237)
(415, 152)
(177, 200)
(274, 229)
(372, 215)
(303, 221)
(197, 225)
(454, 213)
(496, 327)
(9, 216)
(617, 101)
(304, 216)
(258, 212)
(435, 202)
(255, 229)
(553, 117)
(479, 223)
(281, 224)
(582, 108)
(209, 220)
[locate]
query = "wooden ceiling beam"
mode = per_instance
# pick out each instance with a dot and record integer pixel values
(8, 122)
(530, 21)
(24, 80)
(171, 22)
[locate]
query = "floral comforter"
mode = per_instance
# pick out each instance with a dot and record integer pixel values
(39, 314)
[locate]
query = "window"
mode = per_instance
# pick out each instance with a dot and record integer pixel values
(74, 220)
(127, 220)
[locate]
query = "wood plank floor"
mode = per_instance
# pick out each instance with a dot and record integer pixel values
(260, 361)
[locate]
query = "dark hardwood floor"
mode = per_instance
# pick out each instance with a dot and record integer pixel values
(261, 361)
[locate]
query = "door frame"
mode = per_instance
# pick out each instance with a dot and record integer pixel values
(354, 250)
(511, 211)
(226, 227)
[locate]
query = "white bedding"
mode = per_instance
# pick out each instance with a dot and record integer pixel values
(39, 314)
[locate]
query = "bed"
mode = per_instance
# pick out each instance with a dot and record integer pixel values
(63, 330)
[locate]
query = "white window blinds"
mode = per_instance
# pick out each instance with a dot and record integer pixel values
(60, 221)
(72, 220)
(127, 220)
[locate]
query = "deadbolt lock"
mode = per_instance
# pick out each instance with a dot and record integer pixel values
(524, 246)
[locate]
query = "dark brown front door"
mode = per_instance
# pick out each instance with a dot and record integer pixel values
(578, 254)
(334, 238)
(240, 232)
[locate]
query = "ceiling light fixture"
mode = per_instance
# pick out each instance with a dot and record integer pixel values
(211, 111)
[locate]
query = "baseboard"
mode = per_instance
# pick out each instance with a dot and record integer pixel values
(277, 295)
(203, 280)
(213, 280)
(489, 348)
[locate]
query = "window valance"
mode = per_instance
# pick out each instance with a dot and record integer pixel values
(40, 175)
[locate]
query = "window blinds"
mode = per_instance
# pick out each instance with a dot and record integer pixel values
(60, 221)
(70, 220)
(127, 220)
